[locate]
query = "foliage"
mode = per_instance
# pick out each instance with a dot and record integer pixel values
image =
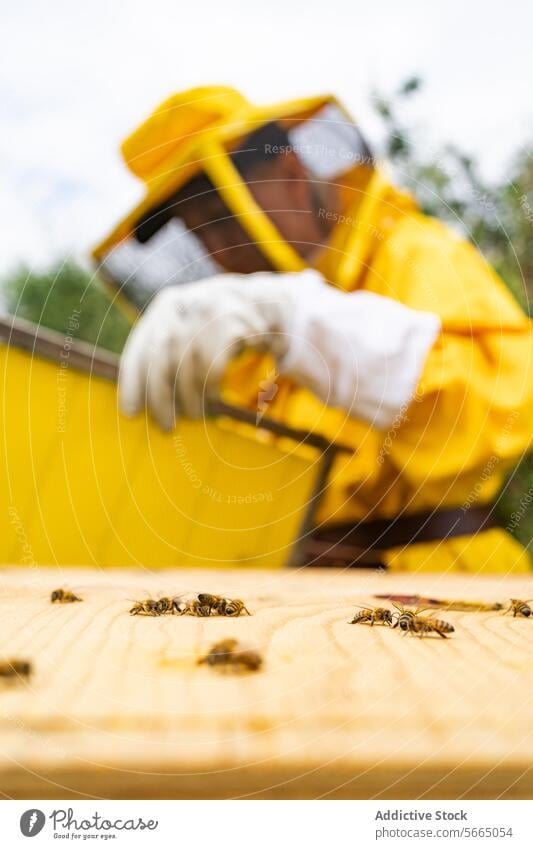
(51, 298)
(497, 217)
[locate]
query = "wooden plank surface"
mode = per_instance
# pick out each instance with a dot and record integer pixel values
(119, 708)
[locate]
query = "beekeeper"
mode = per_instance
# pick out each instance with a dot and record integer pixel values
(377, 326)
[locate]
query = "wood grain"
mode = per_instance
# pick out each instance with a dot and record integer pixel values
(118, 707)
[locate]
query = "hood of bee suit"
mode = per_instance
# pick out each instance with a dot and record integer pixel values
(194, 132)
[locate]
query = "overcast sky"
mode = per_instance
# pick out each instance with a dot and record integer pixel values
(76, 77)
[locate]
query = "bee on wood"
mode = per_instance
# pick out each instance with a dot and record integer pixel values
(15, 669)
(206, 604)
(520, 608)
(410, 622)
(62, 596)
(156, 606)
(372, 615)
(228, 655)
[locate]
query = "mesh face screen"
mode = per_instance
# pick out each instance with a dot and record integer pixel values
(329, 144)
(172, 256)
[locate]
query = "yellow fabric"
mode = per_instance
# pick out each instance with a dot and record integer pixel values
(81, 485)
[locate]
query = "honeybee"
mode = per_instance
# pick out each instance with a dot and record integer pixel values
(202, 605)
(410, 621)
(156, 606)
(520, 608)
(63, 596)
(373, 615)
(206, 604)
(229, 655)
(15, 668)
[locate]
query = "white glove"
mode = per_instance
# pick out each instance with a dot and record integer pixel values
(358, 351)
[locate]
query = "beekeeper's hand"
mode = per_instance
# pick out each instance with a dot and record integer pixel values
(357, 351)
(177, 353)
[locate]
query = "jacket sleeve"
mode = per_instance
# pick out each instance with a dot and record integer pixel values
(357, 351)
(474, 403)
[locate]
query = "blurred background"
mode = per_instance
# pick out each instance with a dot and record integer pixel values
(441, 90)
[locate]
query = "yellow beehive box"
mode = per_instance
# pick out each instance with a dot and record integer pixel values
(82, 485)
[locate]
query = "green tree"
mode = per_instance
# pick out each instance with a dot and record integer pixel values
(50, 298)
